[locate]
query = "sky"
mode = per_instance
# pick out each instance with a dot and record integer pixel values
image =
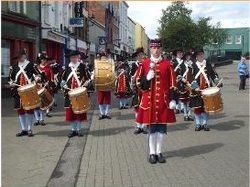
(230, 14)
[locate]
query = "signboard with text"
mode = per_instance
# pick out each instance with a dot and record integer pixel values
(76, 22)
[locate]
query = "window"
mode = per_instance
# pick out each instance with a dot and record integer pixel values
(14, 6)
(5, 58)
(238, 39)
(229, 40)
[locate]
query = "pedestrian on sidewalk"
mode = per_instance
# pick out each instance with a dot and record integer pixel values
(243, 72)
(74, 76)
(23, 73)
(157, 80)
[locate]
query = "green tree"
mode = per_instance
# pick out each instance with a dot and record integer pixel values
(177, 29)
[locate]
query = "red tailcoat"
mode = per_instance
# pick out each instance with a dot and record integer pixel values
(48, 76)
(104, 97)
(155, 101)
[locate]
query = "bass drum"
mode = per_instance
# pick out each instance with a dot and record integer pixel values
(104, 75)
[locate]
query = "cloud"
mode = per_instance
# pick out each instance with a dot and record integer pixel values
(229, 14)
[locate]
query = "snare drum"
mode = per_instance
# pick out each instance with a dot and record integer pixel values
(212, 100)
(46, 99)
(104, 75)
(29, 96)
(79, 100)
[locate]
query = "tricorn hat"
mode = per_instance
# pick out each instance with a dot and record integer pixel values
(198, 51)
(73, 53)
(20, 53)
(138, 50)
(176, 50)
(155, 43)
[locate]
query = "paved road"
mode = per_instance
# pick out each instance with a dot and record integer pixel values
(111, 155)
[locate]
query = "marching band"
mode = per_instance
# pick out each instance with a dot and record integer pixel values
(159, 88)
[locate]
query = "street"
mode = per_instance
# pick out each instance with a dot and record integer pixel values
(110, 155)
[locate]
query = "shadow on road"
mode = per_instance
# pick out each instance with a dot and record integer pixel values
(179, 126)
(192, 151)
(109, 131)
(218, 116)
(126, 117)
(228, 125)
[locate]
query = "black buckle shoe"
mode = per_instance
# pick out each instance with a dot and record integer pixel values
(22, 133)
(189, 118)
(107, 117)
(161, 158)
(198, 128)
(206, 128)
(185, 118)
(72, 134)
(36, 123)
(30, 133)
(42, 123)
(137, 131)
(101, 117)
(48, 115)
(152, 159)
(80, 133)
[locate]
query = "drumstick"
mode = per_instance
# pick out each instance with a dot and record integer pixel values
(219, 82)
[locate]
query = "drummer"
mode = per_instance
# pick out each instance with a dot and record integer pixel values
(22, 74)
(202, 74)
(74, 76)
(47, 80)
(104, 97)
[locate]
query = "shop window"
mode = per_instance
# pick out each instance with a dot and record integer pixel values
(5, 58)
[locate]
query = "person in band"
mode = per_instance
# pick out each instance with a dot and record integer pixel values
(57, 70)
(183, 81)
(176, 62)
(47, 80)
(157, 80)
(74, 76)
(202, 73)
(104, 98)
(123, 90)
(139, 55)
(22, 73)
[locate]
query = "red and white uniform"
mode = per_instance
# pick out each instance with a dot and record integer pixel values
(48, 76)
(155, 101)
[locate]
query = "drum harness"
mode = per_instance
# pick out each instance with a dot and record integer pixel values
(201, 71)
(22, 67)
(179, 63)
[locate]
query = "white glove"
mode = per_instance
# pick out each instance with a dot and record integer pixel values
(92, 76)
(172, 104)
(150, 75)
(12, 85)
(37, 78)
(65, 86)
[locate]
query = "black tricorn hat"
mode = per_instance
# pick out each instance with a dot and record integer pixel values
(72, 53)
(188, 54)
(176, 50)
(44, 57)
(20, 53)
(138, 50)
(198, 51)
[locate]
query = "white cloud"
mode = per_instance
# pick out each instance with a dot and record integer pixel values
(229, 14)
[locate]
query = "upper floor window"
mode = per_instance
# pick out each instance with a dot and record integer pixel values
(229, 40)
(238, 39)
(15, 6)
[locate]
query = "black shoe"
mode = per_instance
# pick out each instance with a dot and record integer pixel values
(42, 123)
(101, 117)
(161, 158)
(144, 131)
(48, 115)
(120, 108)
(185, 118)
(152, 159)
(30, 133)
(22, 133)
(137, 131)
(80, 133)
(189, 118)
(198, 128)
(107, 117)
(36, 123)
(72, 134)
(206, 128)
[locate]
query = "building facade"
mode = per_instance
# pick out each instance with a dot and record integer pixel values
(237, 43)
(131, 36)
(20, 30)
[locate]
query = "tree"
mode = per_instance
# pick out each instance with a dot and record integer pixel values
(177, 29)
